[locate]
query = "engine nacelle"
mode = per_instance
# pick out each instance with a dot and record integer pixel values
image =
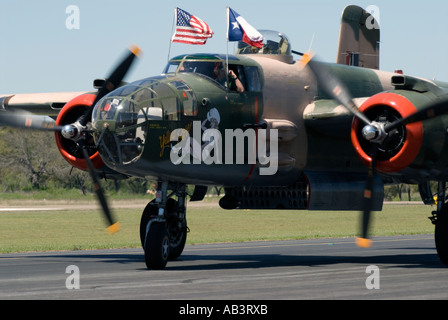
(68, 148)
(403, 145)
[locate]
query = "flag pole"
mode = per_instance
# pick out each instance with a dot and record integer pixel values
(172, 31)
(227, 44)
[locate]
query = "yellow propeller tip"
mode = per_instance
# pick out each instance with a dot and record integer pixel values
(135, 50)
(306, 58)
(114, 228)
(363, 243)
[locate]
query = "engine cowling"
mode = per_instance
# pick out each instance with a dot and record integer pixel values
(402, 145)
(68, 148)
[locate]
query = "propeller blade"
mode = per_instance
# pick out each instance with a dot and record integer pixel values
(112, 82)
(26, 120)
(112, 225)
(336, 89)
(434, 110)
(369, 192)
(332, 86)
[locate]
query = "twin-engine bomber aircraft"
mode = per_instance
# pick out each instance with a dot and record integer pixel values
(275, 132)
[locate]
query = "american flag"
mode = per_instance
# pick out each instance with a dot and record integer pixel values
(190, 29)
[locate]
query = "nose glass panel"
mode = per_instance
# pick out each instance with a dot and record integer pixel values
(120, 119)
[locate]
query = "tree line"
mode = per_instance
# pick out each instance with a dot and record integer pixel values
(31, 161)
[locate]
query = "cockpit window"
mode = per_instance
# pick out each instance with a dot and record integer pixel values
(172, 67)
(252, 79)
(205, 68)
(212, 67)
(216, 70)
(274, 43)
(187, 97)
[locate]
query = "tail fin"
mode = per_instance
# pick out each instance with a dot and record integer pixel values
(359, 39)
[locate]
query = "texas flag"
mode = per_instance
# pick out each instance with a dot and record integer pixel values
(240, 30)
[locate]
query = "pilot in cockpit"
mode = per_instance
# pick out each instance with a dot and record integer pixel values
(219, 73)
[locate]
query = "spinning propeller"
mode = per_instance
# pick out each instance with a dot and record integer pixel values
(377, 133)
(77, 131)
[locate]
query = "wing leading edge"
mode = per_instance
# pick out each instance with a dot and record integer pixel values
(48, 104)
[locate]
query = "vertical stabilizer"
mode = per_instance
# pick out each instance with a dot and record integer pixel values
(359, 39)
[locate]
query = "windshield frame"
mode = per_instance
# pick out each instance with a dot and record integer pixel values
(182, 63)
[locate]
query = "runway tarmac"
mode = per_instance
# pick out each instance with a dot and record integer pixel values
(404, 267)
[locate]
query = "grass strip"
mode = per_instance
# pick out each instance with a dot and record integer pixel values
(75, 230)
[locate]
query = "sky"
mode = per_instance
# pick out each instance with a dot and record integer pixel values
(39, 53)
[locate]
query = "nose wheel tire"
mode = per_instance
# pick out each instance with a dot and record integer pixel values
(441, 234)
(175, 228)
(157, 246)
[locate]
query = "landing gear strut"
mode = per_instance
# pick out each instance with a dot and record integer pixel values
(440, 220)
(163, 226)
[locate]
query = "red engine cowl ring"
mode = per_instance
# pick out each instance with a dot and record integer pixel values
(411, 135)
(68, 148)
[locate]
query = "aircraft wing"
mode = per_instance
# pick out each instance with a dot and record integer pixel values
(359, 39)
(48, 104)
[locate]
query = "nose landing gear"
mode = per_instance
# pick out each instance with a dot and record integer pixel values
(163, 226)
